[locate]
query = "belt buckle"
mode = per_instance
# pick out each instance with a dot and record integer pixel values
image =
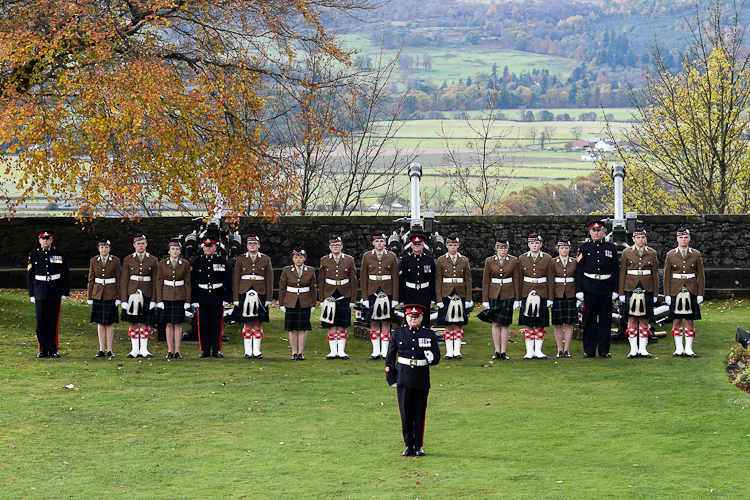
(338, 283)
(252, 277)
(455, 280)
(640, 273)
(598, 276)
(418, 286)
(210, 286)
(48, 278)
(378, 278)
(140, 278)
(412, 362)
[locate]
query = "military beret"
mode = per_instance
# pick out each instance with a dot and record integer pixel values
(139, 237)
(563, 241)
(451, 238)
(299, 250)
(682, 231)
(501, 241)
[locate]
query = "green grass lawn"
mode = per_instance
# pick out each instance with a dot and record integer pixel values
(576, 428)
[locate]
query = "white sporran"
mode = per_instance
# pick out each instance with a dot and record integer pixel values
(682, 303)
(251, 305)
(328, 310)
(637, 303)
(381, 308)
(533, 302)
(454, 312)
(135, 303)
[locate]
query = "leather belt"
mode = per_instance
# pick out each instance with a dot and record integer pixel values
(134, 277)
(298, 290)
(453, 280)
(683, 276)
(598, 276)
(105, 281)
(48, 277)
(639, 272)
(174, 283)
(416, 286)
(337, 282)
(502, 281)
(375, 277)
(534, 280)
(564, 280)
(412, 362)
(253, 277)
(210, 286)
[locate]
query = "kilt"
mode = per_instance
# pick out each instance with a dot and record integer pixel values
(297, 318)
(367, 315)
(564, 311)
(649, 305)
(440, 321)
(696, 314)
(343, 315)
(263, 317)
(148, 317)
(542, 320)
(104, 312)
(500, 312)
(173, 312)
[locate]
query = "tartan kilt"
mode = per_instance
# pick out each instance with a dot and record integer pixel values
(367, 314)
(343, 315)
(500, 312)
(147, 318)
(297, 318)
(263, 316)
(693, 304)
(104, 312)
(625, 309)
(564, 311)
(440, 321)
(542, 320)
(173, 312)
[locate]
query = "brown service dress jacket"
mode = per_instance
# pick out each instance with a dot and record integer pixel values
(565, 285)
(109, 271)
(531, 270)
(495, 267)
(448, 274)
(675, 266)
(258, 275)
(343, 277)
(131, 266)
(635, 263)
(378, 269)
(166, 272)
(289, 278)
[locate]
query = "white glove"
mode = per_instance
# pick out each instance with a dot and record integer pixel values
(394, 385)
(668, 300)
(351, 304)
(33, 300)
(622, 299)
(656, 299)
(117, 303)
(160, 305)
(90, 302)
(63, 297)
(699, 299)
(124, 306)
(440, 305)
(366, 303)
(429, 356)
(268, 303)
(312, 309)
(516, 304)
(237, 302)
(194, 304)
(579, 296)
(283, 309)
(615, 295)
(189, 314)
(394, 303)
(186, 305)
(486, 305)
(224, 303)
(578, 303)
(549, 303)
(468, 304)
(152, 305)
(228, 312)
(401, 303)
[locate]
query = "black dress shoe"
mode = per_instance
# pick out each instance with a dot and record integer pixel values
(203, 355)
(177, 355)
(419, 452)
(587, 355)
(458, 356)
(631, 356)
(294, 357)
(566, 354)
(247, 356)
(647, 356)
(373, 358)
(169, 356)
(690, 355)
(497, 355)
(300, 357)
(218, 354)
(408, 452)
(345, 356)
(607, 355)
(559, 354)
(110, 354)
(55, 354)
(99, 354)
(41, 355)
(259, 356)
(447, 357)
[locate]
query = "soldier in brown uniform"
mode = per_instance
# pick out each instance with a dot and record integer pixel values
(684, 284)
(337, 287)
(104, 274)
(501, 295)
(537, 292)
(297, 300)
(565, 307)
(639, 289)
(253, 272)
(172, 292)
(379, 274)
(137, 282)
(453, 296)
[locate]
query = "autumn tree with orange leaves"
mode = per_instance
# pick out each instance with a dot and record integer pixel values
(139, 106)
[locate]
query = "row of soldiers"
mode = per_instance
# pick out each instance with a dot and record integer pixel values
(537, 283)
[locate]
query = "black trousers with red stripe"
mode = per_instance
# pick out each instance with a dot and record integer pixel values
(412, 404)
(47, 323)
(210, 324)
